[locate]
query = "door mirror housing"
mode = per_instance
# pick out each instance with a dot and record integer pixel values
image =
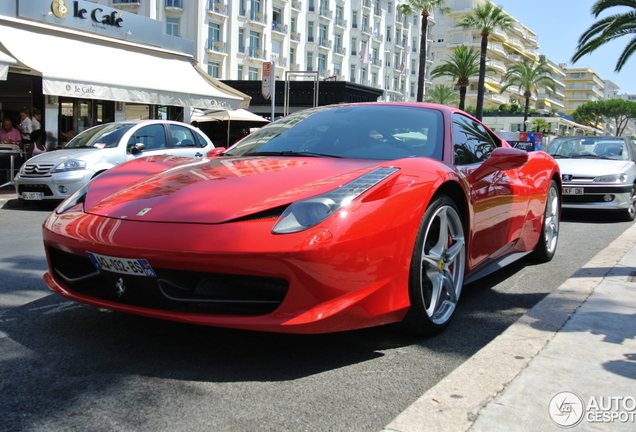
(501, 159)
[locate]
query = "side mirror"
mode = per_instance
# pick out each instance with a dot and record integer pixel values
(137, 148)
(501, 159)
(215, 151)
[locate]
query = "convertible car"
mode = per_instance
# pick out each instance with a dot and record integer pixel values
(329, 219)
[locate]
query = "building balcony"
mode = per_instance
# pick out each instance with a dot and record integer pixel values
(324, 43)
(367, 29)
(326, 13)
(278, 60)
(377, 37)
(294, 67)
(296, 5)
(497, 65)
(324, 73)
(127, 5)
(174, 7)
(216, 47)
(377, 62)
(342, 51)
(294, 36)
(377, 12)
(257, 53)
(217, 8)
(258, 17)
(366, 4)
(279, 27)
(342, 23)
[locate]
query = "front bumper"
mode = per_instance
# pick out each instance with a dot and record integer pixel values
(57, 186)
(607, 197)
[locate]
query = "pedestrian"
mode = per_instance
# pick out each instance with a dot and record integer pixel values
(9, 134)
(36, 120)
(26, 127)
(38, 138)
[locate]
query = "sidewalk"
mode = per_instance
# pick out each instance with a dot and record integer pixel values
(571, 357)
(7, 194)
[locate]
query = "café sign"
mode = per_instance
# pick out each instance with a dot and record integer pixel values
(60, 9)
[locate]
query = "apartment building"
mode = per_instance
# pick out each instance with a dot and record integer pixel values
(582, 85)
(505, 48)
(361, 41)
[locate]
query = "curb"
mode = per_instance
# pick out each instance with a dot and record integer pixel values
(454, 403)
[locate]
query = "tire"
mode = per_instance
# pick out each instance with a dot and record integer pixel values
(547, 244)
(630, 213)
(437, 269)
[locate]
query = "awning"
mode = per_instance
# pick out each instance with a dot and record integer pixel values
(5, 61)
(102, 70)
(491, 87)
(231, 115)
(221, 86)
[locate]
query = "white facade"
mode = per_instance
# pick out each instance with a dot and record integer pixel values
(233, 38)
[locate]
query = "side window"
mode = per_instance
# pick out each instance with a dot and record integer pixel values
(471, 141)
(152, 136)
(182, 137)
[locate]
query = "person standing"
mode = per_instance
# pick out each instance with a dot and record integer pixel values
(38, 138)
(8, 134)
(36, 120)
(26, 127)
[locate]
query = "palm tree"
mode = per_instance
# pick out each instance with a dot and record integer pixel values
(608, 29)
(424, 7)
(486, 18)
(442, 94)
(529, 76)
(462, 64)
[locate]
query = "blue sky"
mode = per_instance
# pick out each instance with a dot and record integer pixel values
(560, 23)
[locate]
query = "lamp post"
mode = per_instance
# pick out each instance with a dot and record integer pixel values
(525, 125)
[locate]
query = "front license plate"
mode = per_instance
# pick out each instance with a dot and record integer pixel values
(35, 196)
(131, 266)
(572, 191)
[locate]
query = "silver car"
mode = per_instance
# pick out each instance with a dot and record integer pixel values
(597, 172)
(57, 174)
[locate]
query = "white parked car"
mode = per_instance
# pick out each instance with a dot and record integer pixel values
(57, 174)
(597, 173)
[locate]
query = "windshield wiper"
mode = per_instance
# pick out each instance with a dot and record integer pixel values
(292, 153)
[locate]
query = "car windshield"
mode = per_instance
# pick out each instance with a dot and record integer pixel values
(383, 131)
(588, 148)
(102, 136)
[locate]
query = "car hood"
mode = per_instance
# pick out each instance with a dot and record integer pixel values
(57, 156)
(593, 167)
(216, 190)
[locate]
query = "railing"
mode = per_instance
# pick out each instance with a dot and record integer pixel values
(341, 51)
(279, 27)
(377, 62)
(278, 60)
(367, 29)
(325, 43)
(257, 53)
(174, 4)
(295, 4)
(258, 17)
(294, 67)
(326, 13)
(294, 36)
(341, 22)
(217, 7)
(217, 46)
(324, 73)
(366, 3)
(377, 37)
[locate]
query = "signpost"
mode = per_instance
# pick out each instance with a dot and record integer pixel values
(266, 85)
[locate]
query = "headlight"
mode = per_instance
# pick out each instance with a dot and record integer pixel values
(77, 198)
(304, 214)
(70, 165)
(612, 178)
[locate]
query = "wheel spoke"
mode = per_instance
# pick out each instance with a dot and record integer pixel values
(449, 285)
(454, 250)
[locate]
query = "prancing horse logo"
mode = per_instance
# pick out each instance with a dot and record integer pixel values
(121, 288)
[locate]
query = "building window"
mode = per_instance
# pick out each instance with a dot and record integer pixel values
(354, 44)
(277, 15)
(253, 74)
(310, 61)
(310, 31)
(172, 26)
(352, 73)
(322, 63)
(213, 69)
(354, 19)
(239, 73)
(214, 32)
(174, 3)
(241, 7)
(241, 40)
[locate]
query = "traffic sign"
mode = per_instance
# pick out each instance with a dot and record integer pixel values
(266, 87)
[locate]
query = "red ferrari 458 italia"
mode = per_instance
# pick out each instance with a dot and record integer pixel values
(329, 219)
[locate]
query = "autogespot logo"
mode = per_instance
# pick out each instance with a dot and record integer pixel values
(566, 409)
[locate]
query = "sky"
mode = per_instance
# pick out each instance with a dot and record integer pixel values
(559, 24)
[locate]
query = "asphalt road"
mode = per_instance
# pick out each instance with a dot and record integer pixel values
(67, 366)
